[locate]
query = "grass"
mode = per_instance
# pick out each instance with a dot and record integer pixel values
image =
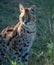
(14, 63)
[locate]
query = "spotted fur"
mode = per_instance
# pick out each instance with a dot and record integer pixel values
(16, 41)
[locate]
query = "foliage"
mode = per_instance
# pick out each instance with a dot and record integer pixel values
(14, 63)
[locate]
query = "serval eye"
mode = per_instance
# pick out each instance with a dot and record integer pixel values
(32, 12)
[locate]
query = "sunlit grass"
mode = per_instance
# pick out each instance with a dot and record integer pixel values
(14, 63)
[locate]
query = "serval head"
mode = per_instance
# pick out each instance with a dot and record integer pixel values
(28, 17)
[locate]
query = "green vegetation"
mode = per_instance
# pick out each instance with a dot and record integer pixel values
(42, 51)
(14, 63)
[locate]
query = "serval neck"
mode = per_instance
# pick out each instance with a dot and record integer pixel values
(18, 27)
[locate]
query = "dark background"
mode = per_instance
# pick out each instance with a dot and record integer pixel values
(42, 52)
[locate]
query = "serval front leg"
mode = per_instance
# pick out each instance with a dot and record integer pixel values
(25, 56)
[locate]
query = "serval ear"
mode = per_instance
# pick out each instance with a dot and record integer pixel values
(21, 7)
(33, 9)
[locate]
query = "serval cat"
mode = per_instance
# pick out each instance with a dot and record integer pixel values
(16, 41)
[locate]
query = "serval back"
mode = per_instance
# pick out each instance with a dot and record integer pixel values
(16, 41)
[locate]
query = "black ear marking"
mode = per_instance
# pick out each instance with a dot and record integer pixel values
(33, 9)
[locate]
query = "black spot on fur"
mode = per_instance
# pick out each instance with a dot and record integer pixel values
(4, 50)
(25, 55)
(8, 43)
(19, 55)
(0, 35)
(20, 49)
(2, 54)
(28, 32)
(0, 41)
(26, 60)
(10, 39)
(4, 35)
(0, 61)
(10, 30)
(19, 41)
(27, 45)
